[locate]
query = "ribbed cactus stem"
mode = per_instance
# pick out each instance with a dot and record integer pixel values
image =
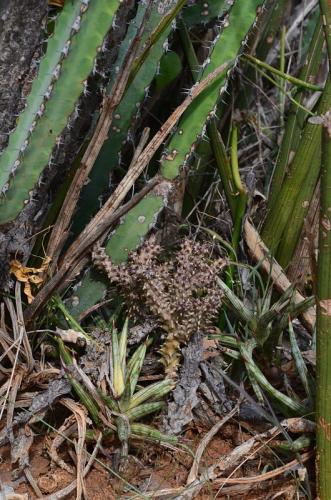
(69, 61)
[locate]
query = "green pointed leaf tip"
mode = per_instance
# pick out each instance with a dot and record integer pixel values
(123, 344)
(133, 371)
(227, 46)
(75, 68)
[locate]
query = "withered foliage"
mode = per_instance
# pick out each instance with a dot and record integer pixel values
(181, 292)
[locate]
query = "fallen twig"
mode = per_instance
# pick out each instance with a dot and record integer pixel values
(204, 443)
(71, 487)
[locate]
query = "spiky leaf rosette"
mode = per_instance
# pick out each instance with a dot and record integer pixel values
(181, 293)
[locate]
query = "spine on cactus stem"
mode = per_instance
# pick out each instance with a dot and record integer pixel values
(127, 111)
(225, 48)
(70, 57)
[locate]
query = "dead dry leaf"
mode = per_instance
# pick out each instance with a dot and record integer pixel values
(71, 336)
(29, 275)
(325, 306)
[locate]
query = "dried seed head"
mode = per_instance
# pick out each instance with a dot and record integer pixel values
(181, 293)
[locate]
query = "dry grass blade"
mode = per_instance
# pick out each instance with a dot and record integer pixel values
(22, 362)
(32, 482)
(80, 415)
(105, 217)
(267, 475)
(14, 387)
(64, 432)
(18, 327)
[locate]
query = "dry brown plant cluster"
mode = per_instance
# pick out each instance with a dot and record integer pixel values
(181, 292)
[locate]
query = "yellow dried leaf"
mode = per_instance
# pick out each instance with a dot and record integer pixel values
(28, 275)
(28, 292)
(36, 280)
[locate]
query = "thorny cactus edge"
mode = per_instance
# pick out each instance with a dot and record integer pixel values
(181, 293)
(226, 46)
(79, 34)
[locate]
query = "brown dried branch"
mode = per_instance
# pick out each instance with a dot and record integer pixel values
(68, 272)
(72, 486)
(80, 413)
(68, 427)
(204, 443)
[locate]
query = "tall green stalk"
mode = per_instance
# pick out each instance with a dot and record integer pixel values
(323, 360)
(323, 299)
(296, 117)
(240, 190)
(280, 215)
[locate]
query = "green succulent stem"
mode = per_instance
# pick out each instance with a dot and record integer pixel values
(216, 141)
(292, 232)
(326, 21)
(296, 117)
(302, 165)
(138, 221)
(189, 51)
(297, 167)
(36, 98)
(224, 166)
(154, 37)
(281, 80)
(30, 148)
(282, 91)
(275, 11)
